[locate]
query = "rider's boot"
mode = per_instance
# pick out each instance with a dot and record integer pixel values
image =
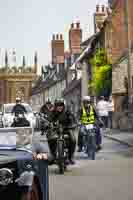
(72, 162)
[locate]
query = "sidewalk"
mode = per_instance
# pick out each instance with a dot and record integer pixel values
(120, 136)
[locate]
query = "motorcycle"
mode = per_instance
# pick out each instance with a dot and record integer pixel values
(20, 121)
(61, 137)
(89, 141)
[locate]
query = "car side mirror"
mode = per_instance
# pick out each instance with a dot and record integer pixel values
(35, 113)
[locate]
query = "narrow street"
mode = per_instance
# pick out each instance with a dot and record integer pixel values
(109, 177)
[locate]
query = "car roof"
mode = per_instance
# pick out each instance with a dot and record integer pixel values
(8, 104)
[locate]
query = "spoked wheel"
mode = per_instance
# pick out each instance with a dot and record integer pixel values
(91, 147)
(61, 157)
(31, 195)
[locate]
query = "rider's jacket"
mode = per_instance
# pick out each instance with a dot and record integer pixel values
(19, 108)
(88, 118)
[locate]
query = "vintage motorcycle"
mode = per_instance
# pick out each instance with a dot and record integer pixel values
(59, 135)
(89, 140)
(20, 120)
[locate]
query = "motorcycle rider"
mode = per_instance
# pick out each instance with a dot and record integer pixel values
(45, 112)
(48, 106)
(67, 119)
(18, 108)
(87, 115)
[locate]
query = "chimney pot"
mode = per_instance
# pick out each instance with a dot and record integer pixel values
(57, 37)
(97, 8)
(103, 8)
(53, 37)
(72, 25)
(61, 37)
(78, 25)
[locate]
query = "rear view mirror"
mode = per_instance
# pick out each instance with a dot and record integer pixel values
(35, 113)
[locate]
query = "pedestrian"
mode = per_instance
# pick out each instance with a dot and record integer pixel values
(102, 107)
(110, 110)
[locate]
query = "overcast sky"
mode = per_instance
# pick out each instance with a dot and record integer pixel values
(28, 25)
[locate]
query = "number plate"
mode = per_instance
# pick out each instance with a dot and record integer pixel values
(90, 126)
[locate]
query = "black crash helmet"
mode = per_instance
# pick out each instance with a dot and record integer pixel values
(59, 102)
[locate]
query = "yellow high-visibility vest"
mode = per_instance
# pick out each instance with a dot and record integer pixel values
(88, 119)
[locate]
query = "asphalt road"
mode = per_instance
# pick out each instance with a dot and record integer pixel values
(109, 177)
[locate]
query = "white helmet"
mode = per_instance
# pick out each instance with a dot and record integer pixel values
(86, 98)
(18, 99)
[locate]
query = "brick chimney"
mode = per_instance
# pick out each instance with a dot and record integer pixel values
(78, 25)
(75, 38)
(57, 37)
(72, 25)
(97, 8)
(103, 8)
(99, 17)
(57, 47)
(61, 37)
(53, 37)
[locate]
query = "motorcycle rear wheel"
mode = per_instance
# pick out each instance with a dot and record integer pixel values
(91, 147)
(61, 163)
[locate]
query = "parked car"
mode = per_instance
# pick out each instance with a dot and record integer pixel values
(7, 116)
(21, 177)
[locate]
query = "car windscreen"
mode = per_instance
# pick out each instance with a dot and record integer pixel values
(28, 108)
(8, 108)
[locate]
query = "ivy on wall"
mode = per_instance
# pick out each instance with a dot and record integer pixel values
(101, 82)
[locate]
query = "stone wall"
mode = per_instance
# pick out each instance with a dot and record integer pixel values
(119, 73)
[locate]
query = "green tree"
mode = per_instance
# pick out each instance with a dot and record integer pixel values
(101, 83)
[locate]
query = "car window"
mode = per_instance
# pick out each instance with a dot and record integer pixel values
(28, 108)
(8, 108)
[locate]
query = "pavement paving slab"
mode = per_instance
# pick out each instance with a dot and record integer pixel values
(123, 137)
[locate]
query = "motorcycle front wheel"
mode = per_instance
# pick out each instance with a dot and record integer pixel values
(91, 147)
(61, 157)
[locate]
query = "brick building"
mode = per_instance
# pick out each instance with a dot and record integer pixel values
(122, 36)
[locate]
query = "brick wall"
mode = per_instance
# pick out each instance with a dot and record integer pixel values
(130, 18)
(119, 39)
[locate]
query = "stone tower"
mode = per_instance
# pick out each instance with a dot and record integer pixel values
(35, 62)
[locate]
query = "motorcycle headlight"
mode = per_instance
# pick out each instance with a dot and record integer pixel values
(6, 176)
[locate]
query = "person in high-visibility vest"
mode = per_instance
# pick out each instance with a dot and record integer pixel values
(88, 115)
